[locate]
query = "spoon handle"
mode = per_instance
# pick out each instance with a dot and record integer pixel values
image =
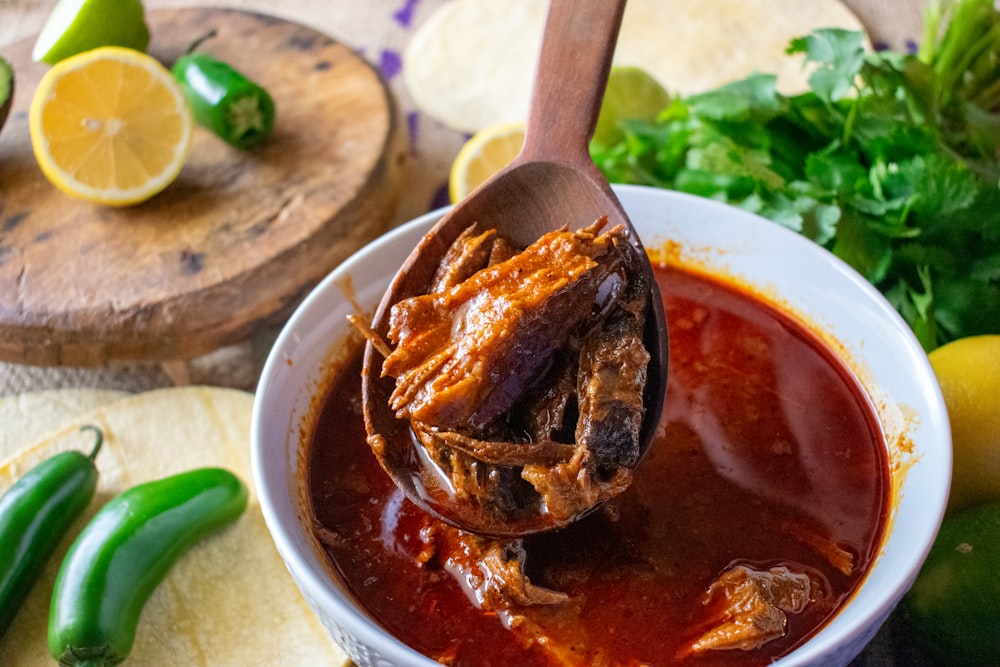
(578, 43)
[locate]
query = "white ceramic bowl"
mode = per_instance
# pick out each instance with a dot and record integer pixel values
(812, 283)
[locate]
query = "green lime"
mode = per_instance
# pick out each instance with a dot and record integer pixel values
(631, 94)
(6, 89)
(75, 26)
(954, 604)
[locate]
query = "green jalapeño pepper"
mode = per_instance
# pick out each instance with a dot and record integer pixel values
(124, 553)
(35, 513)
(224, 101)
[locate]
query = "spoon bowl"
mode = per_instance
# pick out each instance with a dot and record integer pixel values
(552, 184)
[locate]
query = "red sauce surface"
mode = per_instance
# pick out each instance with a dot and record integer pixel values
(768, 453)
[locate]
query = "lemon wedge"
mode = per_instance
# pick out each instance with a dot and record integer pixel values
(484, 154)
(110, 126)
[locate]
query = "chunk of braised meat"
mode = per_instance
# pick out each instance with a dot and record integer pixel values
(749, 607)
(548, 410)
(463, 356)
(612, 377)
(522, 372)
(471, 252)
(490, 571)
(487, 472)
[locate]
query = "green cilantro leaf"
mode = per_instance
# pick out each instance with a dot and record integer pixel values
(839, 55)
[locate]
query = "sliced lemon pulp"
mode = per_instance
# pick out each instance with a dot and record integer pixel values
(110, 126)
(487, 152)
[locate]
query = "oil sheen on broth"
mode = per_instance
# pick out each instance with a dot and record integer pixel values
(769, 459)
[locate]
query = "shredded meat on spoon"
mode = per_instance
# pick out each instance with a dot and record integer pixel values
(522, 372)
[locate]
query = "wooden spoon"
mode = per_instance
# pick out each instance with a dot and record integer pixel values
(551, 183)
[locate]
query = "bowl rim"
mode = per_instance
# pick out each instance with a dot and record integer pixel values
(824, 643)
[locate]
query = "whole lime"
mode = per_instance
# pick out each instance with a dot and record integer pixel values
(6, 89)
(954, 604)
(631, 94)
(75, 26)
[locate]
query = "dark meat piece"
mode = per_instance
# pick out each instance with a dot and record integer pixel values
(547, 410)
(464, 356)
(612, 376)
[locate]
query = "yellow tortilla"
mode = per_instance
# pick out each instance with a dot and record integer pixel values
(471, 63)
(230, 600)
(26, 418)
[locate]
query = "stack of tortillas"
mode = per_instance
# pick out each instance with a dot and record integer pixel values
(471, 64)
(229, 601)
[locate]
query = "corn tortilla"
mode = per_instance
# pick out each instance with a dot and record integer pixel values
(229, 601)
(471, 63)
(27, 418)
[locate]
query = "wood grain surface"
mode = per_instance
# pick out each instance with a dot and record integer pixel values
(234, 242)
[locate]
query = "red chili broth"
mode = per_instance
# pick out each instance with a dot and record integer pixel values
(768, 452)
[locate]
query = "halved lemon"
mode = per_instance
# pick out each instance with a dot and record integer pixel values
(110, 126)
(487, 152)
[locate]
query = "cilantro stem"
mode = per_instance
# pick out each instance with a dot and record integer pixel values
(927, 51)
(978, 56)
(852, 114)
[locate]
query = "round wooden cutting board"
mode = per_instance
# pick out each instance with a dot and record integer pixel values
(234, 242)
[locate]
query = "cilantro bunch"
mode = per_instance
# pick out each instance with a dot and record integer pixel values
(891, 161)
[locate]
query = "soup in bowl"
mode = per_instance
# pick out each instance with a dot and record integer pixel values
(795, 484)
